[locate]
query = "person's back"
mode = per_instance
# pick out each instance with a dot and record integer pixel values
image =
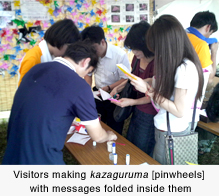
(50, 96)
(40, 134)
(202, 25)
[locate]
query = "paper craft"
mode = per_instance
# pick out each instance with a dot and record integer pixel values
(79, 138)
(107, 96)
(124, 69)
(71, 130)
(104, 94)
(111, 99)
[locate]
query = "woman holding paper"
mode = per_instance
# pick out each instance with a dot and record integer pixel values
(141, 128)
(178, 80)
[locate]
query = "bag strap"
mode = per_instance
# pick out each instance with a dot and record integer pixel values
(193, 120)
(193, 116)
(135, 65)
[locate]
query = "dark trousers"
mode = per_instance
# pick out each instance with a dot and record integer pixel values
(106, 109)
(141, 131)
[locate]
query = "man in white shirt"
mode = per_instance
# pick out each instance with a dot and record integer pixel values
(107, 75)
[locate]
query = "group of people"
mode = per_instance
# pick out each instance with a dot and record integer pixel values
(56, 79)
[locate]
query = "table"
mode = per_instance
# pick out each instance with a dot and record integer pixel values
(211, 127)
(98, 155)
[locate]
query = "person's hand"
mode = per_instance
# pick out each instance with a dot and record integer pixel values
(111, 136)
(139, 84)
(124, 102)
(114, 92)
(149, 92)
(105, 88)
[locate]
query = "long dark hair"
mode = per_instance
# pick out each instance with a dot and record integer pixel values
(169, 42)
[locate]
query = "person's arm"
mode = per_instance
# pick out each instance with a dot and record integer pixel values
(176, 107)
(98, 134)
(214, 48)
(124, 102)
(88, 79)
(112, 86)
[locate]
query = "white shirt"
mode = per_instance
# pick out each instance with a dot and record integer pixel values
(65, 62)
(107, 72)
(186, 78)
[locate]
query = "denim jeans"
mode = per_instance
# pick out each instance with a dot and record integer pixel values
(141, 131)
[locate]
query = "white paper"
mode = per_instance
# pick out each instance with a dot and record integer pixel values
(104, 94)
(71, 130)
(79, 138)
(145, 163)
(123, 67)
(203, 112)
(33, 10)
(96, 93)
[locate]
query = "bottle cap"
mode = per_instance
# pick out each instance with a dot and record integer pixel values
(115, 157)
(109, 146)
(127, 159)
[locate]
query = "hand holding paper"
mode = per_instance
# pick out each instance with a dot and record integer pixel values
(107, 96)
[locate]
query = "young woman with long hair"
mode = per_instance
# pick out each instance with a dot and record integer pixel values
(177, 82)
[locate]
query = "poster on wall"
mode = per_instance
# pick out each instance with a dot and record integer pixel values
(7, 13)
(123, 12)
(33, 10)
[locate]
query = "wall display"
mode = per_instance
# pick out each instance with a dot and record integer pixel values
(39, 12)
(23, 24)
(122, 12)
(6, 13)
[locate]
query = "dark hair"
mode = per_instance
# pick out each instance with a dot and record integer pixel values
(61, 33)
(170, 44)
(135, 39)
(94, 33)
(212, 108)
(81, 50)
(204, 18)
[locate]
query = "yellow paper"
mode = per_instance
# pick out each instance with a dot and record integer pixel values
(122, 68)
(190, 163)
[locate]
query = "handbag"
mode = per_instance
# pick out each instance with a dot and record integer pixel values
(182, 149)
(120, 114)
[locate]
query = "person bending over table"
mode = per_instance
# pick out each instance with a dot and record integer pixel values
(107, 75)
(49, 97)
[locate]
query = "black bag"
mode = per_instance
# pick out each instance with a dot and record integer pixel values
(120, 114)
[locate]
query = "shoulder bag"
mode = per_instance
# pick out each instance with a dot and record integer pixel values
(182, 149)
(120, 114)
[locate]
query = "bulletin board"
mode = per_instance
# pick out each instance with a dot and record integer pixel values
(24, 22)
